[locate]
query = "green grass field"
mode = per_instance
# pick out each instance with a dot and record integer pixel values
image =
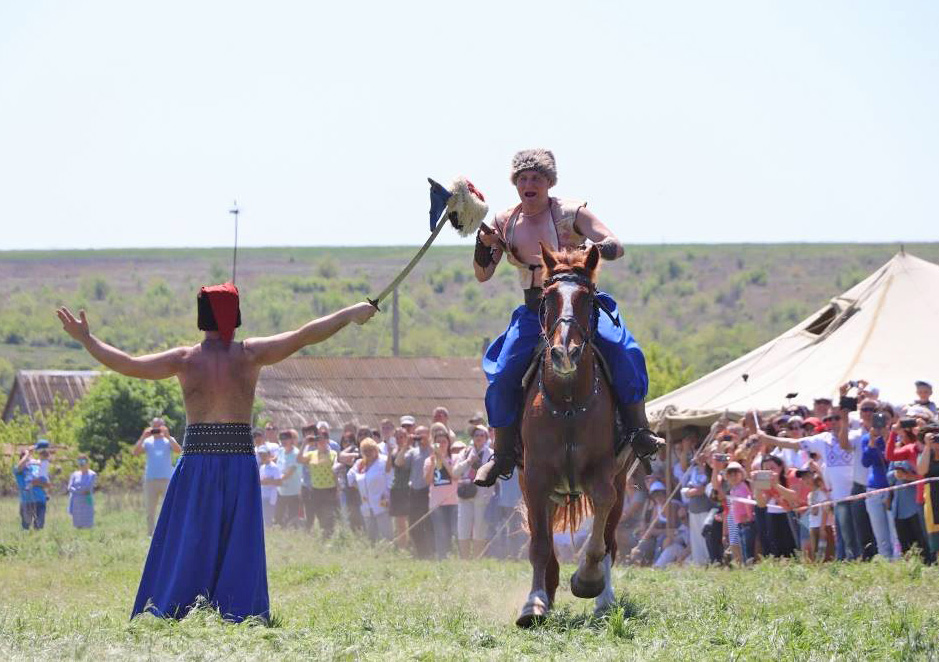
(66, 594)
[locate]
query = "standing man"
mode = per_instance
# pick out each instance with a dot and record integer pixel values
(209, 539)
(288, 492)
(159, 446)
(32, 479)
(519, 234)
(422, 532)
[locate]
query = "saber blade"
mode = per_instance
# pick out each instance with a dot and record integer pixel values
(414, 260)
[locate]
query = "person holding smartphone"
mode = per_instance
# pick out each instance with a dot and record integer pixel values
(159, 447)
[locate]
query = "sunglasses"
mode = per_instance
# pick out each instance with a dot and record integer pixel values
(831, 418)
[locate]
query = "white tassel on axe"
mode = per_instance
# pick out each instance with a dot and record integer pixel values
(461, 204)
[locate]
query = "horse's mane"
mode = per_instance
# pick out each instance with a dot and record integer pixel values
(572, 260)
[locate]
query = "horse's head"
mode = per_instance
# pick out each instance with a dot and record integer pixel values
(568, 305)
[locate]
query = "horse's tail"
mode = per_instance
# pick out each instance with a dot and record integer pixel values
(570, 514)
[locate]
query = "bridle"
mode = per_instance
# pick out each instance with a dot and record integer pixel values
(569, 410)
(579, 280)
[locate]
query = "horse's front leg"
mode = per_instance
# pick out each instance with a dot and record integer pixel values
(540, 512)
(590, 579)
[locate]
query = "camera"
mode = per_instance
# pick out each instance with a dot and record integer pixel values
(852, 383)
(879, 420)
(721, 457)
(907, 423)
(848, 403)
(727, 437)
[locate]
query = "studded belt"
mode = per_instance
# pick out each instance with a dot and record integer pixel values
(218, 439)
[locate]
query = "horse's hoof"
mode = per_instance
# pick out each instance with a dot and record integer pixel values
(533, 613)
(587, 589)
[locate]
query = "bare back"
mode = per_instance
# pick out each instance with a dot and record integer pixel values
(218, 382)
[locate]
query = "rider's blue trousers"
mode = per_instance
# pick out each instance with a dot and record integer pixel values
(510, 354)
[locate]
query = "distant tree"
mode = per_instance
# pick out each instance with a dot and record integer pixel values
(117, 408)
(666, 371)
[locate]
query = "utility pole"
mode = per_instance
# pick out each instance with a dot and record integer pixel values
(395, 349)
(234, 259)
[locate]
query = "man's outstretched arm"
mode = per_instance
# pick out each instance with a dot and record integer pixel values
(271, 349)
(152, 366)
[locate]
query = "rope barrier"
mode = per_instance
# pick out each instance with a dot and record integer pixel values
(832, 502)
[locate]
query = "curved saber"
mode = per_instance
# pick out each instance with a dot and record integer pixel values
(414, 260)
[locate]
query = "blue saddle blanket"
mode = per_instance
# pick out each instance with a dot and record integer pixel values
(509, 356)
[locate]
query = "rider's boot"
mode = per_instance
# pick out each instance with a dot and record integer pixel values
(636, 432)
(502, 462)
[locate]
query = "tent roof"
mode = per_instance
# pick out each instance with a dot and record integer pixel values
(883, 329)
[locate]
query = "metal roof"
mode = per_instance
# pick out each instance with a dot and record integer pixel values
(34, 391)
(365, 390)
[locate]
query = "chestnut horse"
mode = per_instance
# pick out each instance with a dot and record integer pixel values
(567, 431)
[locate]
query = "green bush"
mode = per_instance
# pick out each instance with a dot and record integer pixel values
(116, 409)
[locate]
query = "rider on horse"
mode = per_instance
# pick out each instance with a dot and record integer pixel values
(519, 232)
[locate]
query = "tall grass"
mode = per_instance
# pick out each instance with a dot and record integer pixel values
(66, 593)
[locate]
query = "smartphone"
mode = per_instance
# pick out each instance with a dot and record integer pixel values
(761, 479)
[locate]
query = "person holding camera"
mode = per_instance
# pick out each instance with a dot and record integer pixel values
(472, 499)
(156, 442)
(320, 494)
(774, 502)
(422, 533)
(398, 493)
(439, 474)
(693, 490)
(902, 451)
(837, 454)
(928, 467)
(874, 458)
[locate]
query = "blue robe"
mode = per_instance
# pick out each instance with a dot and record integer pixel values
(209, 539)
(509, 356)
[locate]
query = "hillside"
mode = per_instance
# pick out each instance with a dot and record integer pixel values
(696, 306)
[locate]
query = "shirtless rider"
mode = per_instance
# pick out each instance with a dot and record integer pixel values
(208, 543)
(519, 232)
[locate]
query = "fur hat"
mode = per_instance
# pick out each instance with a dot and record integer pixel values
(540, 160)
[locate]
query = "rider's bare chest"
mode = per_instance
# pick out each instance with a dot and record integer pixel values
(530, 233)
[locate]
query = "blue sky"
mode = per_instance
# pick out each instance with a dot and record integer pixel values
(136, 124)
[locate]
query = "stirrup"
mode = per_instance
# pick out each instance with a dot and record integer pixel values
(497, 460)
(642, 454)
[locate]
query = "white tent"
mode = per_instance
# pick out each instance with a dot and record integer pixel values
(884, 329)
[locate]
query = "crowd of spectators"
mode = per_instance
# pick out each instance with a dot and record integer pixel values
(828, 482)
(840, 480)
(410, 484)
